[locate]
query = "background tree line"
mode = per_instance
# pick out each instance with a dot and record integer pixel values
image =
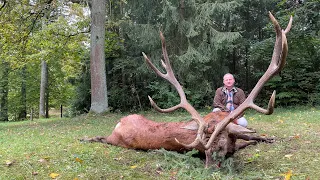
(205, 40)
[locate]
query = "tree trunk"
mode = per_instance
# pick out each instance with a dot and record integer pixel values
(43, 89)
(99, 99)
(23, 109)
(247, 68)
(234, 61)
(4, 91)
(47, 99)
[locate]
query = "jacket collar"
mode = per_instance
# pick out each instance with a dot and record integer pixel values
(234, 89)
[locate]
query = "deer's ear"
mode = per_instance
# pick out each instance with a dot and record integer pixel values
(237, 129)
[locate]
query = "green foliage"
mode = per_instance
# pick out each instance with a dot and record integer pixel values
(205, 40)
(62, 57)
(189, 166)
(128, 90)
(82, 100)
(164, 95)
(185, 165)
(297, 83)
(4, 90)
(195, 47)
(45, 34)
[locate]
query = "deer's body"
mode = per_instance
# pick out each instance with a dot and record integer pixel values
(138, 132)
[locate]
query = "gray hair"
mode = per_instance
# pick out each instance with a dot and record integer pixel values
(228, 74)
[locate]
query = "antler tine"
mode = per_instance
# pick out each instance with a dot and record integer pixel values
(270, 108)
(159, 73)
(198, 140)
(154, 105)
(277, 62)
(169, 76)
(289, 26)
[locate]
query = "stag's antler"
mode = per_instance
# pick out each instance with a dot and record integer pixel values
(277, 62)
(169, 76)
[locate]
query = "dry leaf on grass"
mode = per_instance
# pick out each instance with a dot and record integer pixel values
(287, 175)
(288, 156)
(78, 160)
(133, 167)
(42, 160)
(9, 162)
(54, 175)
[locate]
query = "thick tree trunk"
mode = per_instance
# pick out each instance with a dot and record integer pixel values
(23, 110)
(99, 99)
(4, 91)
(43, 89)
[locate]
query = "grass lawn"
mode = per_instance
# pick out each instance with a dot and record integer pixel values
(49, 149)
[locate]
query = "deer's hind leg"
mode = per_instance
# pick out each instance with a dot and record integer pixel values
(255, 138)
(101, 139)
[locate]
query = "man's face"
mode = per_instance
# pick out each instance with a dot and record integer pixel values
(228, 81)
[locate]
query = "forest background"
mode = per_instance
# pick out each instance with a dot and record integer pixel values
(205, 40)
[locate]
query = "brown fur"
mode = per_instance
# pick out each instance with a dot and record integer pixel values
(138, 132)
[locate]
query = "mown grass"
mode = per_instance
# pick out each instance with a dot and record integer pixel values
(37, 149)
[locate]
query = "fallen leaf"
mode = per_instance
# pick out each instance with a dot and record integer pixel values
(158, 172)
(287, 175)
(54, 175)
(288, 156)
(106, 153)
(251, 118)
(78, 160)
(42, 160)
(117, 159)
(9, 163)
(173, 173)
(253, 157)
(133, 167)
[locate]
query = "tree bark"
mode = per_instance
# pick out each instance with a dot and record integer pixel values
(43, 89)
(247, 68)
(47, 98)
(4, 91)
(99, 99)
(23, 109)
